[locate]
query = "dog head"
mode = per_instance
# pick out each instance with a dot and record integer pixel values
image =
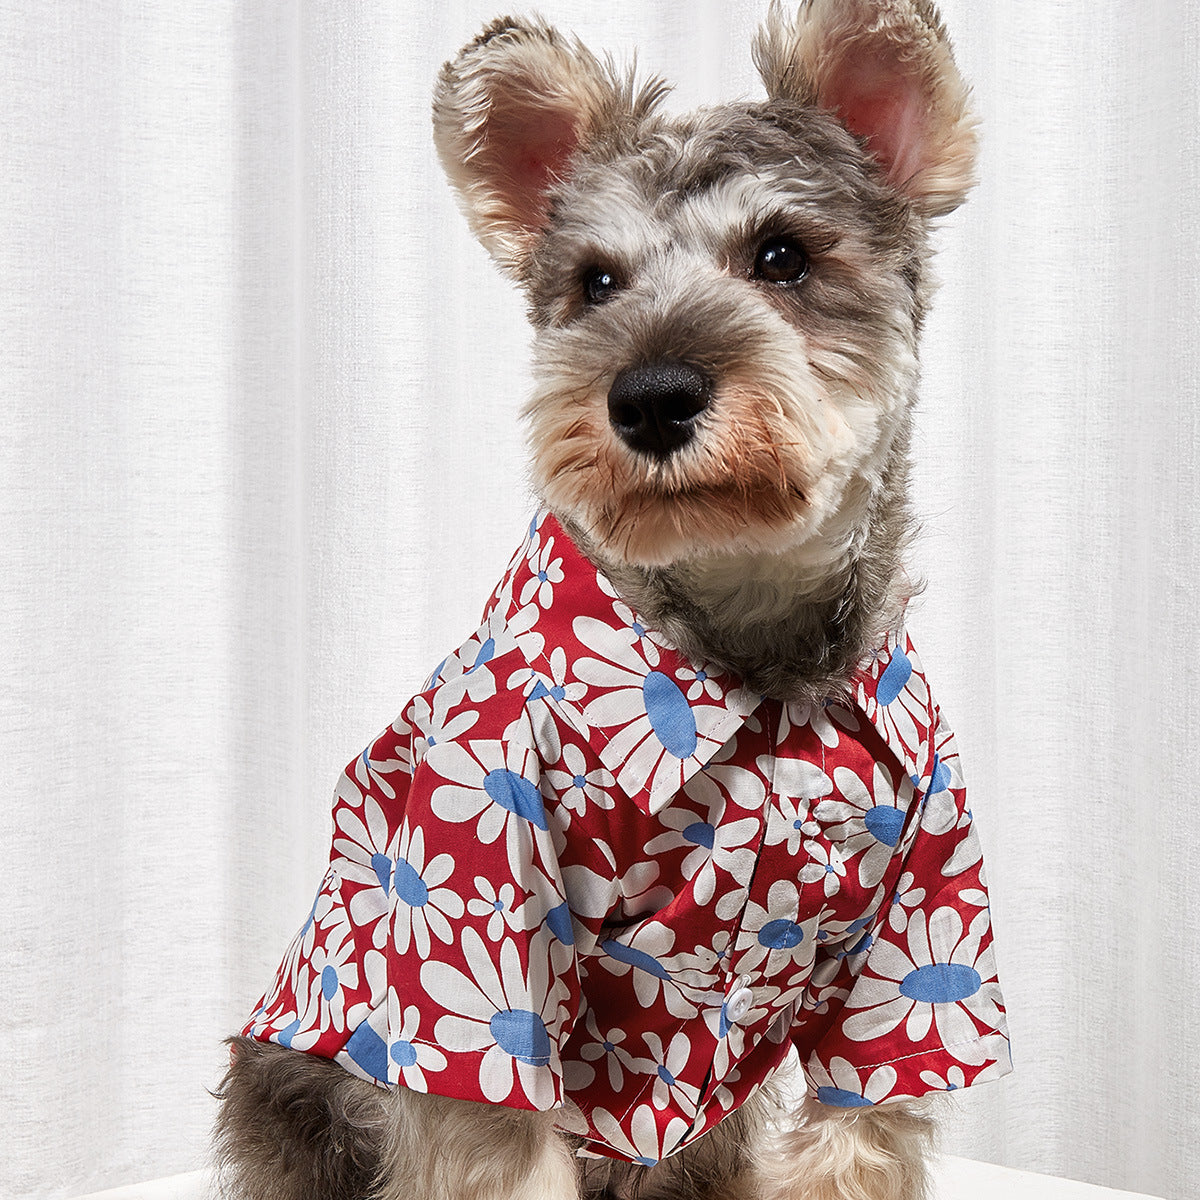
(726, 304)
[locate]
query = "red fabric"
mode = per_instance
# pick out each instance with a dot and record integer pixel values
(582, 872)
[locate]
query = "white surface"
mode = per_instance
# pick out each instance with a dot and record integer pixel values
(957, 1179)
(260, 467)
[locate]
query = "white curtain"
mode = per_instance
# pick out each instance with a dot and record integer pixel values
(260, 466)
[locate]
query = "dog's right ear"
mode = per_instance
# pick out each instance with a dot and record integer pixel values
(886, 70)
(508, 114)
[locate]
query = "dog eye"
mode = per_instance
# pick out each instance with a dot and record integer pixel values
(781, 260)
(599, 285)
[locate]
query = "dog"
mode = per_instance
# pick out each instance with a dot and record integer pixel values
(683, 810)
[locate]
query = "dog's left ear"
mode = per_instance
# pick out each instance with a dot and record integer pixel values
(885, 69)
(510, 112)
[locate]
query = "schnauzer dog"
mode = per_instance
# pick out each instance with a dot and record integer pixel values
(683, 811)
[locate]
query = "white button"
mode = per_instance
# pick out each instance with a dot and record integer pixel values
(739, 1003)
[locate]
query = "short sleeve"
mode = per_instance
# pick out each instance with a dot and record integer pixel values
(911, 999)
(440, 955)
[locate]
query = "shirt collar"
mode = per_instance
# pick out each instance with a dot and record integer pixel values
(653, 716)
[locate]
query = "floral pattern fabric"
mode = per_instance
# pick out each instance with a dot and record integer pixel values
(581, 872)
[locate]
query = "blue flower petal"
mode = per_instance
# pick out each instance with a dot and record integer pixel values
(559, 920)
(403, 1054)
(941, 983)
(516, 794)
(670, 715)
(382, 866)
(894, 679)
(841, 1099)
(885, 823)
(523, 1035)
(634, 958)
(369, 1051)
(780, 935)
(409, 886)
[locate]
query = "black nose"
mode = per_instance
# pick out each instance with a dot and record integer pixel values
(654, 407)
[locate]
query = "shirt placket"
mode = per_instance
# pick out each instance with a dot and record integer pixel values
(738, 999)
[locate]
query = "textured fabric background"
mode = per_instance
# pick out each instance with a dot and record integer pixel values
(259, 467)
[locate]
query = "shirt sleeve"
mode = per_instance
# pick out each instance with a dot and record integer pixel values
(441, 953)
(910, 999)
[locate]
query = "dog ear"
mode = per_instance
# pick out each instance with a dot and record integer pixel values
(508, 114)
(885, 69)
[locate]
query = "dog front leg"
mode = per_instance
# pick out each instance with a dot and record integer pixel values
(877, 1153)
(440, 1149)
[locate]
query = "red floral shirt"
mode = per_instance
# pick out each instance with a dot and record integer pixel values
(581, 872)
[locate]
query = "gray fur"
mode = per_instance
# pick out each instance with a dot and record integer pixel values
(298, 1127)
(295, 1127)
(822, 185)
(807, 652)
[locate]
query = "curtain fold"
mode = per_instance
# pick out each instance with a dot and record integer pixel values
(261, 464)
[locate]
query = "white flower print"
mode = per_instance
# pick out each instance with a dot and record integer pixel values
(865, 824)
(432, 722)
(967, 853)
(467, 673)
(544, 572)
(777, 943)
(536, 683)
(372, 775)
(334, 969)
(609, 1046)
(825, 719)
(732, 845)
(502, 909)
(511, 1014)
(841, 1085)
(700, 681)
(789, 821)
(796, 782)
(422, 905)
(494, 786)
(657, 728)
(391, 752)
(327, 910)
(374, 974)
(795, 778)
(946, 978)
(626, 616)
(697, 970)
(363, 840)
(291, 992)
(823, 993)
(665, 1063)
(640, 887)
(718, 843)
(900, 704)
(410, 1055)
(645, 950)
(299, 1028)
(907, 896)
(731, 1029)
(575, 786)
(940, 811)
(723, 1094)
(954, 1079)
(825, 866)
(643, 1144)
(502, 593)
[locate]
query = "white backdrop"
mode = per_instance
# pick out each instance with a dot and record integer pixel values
(259, 467)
